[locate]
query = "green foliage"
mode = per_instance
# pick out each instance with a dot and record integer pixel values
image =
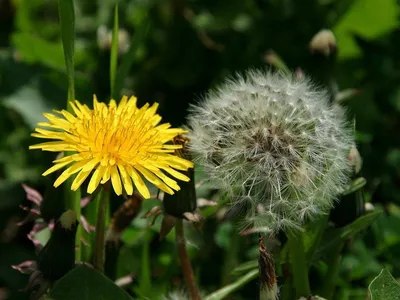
(67, 24)
(175, 52)
(384, 286)
(84, 283)
(114, 52)
(369, 19)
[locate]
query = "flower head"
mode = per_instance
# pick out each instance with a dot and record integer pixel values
(117, 142)
(275, 144)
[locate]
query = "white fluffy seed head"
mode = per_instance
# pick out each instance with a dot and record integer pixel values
(275, 144)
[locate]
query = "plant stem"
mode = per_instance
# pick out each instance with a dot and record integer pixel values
(98, 255)
(185, 262)
(298, 264)
(73, 202)
(333, 269)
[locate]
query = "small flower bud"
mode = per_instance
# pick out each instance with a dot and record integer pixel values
(323, 42)
(104, 39)
(185, 200)
(268, 282)
(355, 159)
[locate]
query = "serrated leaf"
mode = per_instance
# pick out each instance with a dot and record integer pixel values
(84, 283)
(384, 286)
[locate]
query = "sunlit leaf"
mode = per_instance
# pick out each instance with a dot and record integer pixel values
(384, 286)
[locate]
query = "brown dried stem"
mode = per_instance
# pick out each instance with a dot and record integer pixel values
(185, 262)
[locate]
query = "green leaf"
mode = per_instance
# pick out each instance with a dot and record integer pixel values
(335, 236)
(84, 283)
(384, 286)
(312, 237)
(114, 53)
(359, 224)
(67, 23)
(28, 102)
(245, 267)
(225, 291)
(368, 18)
(355, 185)
(37, 50)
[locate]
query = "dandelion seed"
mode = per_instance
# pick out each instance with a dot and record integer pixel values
(118, 142)
(276, 142)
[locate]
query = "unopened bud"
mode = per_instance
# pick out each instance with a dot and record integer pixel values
(355, 159)
(323, 42)
(68, 219)
(104, 39)
(185, 200)
(268, 282)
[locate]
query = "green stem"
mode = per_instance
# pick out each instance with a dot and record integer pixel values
(298, 264)
(98, 255)
(73, 202)
(185, 262)
(334, 261)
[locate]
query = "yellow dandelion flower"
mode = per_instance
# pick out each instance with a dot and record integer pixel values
(118, 142)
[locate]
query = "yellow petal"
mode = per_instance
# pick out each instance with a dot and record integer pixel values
(68, 172)
(116, 180)
(52, 145)
(154, 180)
(67, 115)
(122, 104)
(95, 180)
(126, 180)
(56, 167)
(79, 179)
(172, 146)
(176, 174)
(77, 112)
(106, 175)
(138, 181)
(57, 121)
(179, 163)
(91, 164)
(170, 182)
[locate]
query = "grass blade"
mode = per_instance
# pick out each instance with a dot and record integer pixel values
(67, 23)
(225, 291)
(114, 53)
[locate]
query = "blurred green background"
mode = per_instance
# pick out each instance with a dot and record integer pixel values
(190, 46)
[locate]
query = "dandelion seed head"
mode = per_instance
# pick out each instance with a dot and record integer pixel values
(276, 140)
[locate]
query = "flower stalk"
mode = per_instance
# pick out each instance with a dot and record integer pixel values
(298, 265)
(99, 250)
(185, 262)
